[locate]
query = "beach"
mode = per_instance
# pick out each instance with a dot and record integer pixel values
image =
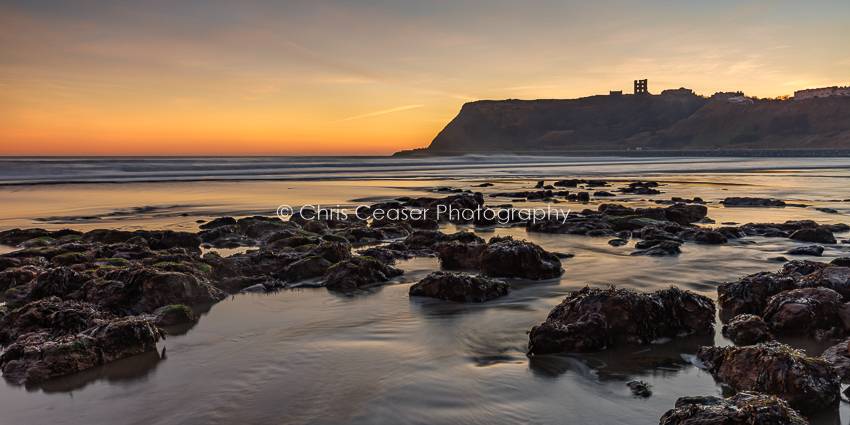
(311, 354)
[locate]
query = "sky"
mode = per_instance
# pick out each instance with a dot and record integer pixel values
(371, 77)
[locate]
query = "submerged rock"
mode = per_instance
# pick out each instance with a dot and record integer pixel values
(459, 287)
(359, 271)
(751, 202)
(813, 250)
(658, 248)
(806, 383)
(519, 259)
(639, 388)
(747, 329)
(744, 408)
(596, 319)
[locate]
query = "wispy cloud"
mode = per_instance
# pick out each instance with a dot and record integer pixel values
(382, 112)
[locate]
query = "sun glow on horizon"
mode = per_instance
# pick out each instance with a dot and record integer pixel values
(262, 77)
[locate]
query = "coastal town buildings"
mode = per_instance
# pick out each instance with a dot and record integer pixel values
(833, 91)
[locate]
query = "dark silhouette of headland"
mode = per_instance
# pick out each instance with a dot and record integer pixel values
(677, 122)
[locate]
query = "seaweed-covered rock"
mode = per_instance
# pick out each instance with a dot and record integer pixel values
(813, 234)
(52, 315)
(15, 276)
(459, 287)
(835, 278)
(60, 282)
(144, 290)
(307, 267)
(519, 259)
(458, 255)
(750, 293)
(359, 271)
(747, 329)
(36, 357)
(744, 408)
(596, 319)
(172, 315)
(817, 312)
(806, 383)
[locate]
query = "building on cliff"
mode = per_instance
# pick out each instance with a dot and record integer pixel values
(833, 91)
(616, 93)
(725, 96)
(641, 87)
(679, 91)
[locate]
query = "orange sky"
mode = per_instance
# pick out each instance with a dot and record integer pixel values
(218, 78)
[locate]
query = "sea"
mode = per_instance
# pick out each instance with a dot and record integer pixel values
(310, 355)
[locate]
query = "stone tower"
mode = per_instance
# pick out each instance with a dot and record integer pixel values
(640, 87)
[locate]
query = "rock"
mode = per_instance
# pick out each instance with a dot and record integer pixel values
(640, 389)
(751, 202)
(813, 234)
(457, 255)
(15, 276)
(222, 221)
(835, 278)
(425, 239)
(744, 408)
(307, 267)
(459, 287)
(52, 315)
(779, 259)
(172, 315)
(750, 293)
(583, 197)
(602, 193)
(539, 184)
(143, 290)
(618, 242)
(660, 248)
(747, 329)
(841, 262)
(685, 214)
(359, 271)
(597, 319)
(172, 239)
(710, 237)
(60, 282)
(36, 357)
(519, 259)
(807, 312)
(813, 250)
(840, 358)
(808, 384)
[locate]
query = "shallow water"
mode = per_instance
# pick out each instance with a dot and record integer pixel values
(313, 356)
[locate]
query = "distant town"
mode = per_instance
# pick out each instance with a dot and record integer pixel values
(641, 87)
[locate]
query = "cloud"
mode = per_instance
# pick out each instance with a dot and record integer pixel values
(382, 112)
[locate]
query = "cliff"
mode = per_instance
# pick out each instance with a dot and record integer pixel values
(668, 121)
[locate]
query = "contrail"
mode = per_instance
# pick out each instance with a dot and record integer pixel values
(385, 111)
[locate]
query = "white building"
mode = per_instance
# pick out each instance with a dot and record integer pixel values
(834, 91)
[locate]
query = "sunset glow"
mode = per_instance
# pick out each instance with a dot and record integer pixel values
(218, 78)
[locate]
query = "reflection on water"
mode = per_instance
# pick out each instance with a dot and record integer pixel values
(375, 355)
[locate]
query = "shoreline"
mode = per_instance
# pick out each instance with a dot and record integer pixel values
(726, 153)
